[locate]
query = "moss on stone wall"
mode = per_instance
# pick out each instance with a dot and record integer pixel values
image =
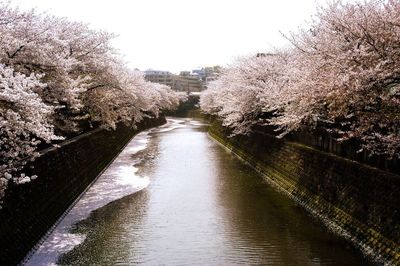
(358, 201)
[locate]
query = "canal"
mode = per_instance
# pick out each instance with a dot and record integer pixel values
(175, 197)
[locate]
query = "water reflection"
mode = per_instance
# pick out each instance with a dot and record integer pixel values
(203, 207)
(263, 226)
(118, 180)
(110, 232)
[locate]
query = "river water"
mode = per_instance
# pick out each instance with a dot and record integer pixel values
(175, 197)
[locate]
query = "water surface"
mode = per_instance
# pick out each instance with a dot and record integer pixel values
(203, 207)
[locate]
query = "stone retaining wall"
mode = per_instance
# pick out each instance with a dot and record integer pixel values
(29, 210)
(360, 202)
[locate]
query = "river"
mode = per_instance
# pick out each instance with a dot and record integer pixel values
(175, 197)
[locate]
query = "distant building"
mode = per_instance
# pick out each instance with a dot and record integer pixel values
(188, 83)
(183, 82)
(184, 73)
(264, 54)
(207, 74)
(156, 72)
(161, 77)
(194, 81)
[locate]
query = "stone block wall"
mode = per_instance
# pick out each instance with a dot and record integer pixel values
(30, 209)
(360, 202)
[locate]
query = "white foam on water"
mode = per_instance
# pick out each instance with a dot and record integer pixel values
(170, 125)
(117, 181)
(196, 123)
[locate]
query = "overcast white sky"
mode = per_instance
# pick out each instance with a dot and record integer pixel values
(185, 34)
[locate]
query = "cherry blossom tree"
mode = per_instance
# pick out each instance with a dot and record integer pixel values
(343, 72)
(54, 74)
(67, 54)
(125, 96)
(250, 88)
(24, 123)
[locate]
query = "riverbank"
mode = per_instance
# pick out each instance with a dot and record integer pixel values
(359, 202)
(31, 209)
